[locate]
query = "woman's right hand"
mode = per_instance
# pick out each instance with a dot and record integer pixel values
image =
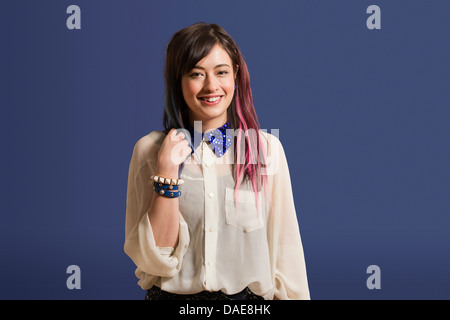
(174, 150)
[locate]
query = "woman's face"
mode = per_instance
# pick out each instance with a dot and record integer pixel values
(209, 88)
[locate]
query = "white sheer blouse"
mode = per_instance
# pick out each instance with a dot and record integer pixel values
(220, 247)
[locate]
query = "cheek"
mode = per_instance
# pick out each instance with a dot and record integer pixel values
(228, 86)
(190, 89)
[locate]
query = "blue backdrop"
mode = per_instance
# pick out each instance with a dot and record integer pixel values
(363, 116)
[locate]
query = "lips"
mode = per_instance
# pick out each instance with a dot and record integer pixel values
(210, 100)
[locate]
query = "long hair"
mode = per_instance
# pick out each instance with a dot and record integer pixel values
(186, 48)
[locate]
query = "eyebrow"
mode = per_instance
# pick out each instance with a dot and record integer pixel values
(218, 66)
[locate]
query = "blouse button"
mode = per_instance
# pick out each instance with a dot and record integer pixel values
(208, 165)
(211, 195)
(210, 263)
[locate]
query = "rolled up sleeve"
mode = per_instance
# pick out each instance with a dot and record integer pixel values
(158, 261)
(140, 243)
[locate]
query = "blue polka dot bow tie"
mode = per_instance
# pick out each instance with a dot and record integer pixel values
(218, 139)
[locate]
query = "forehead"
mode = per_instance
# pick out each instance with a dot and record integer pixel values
(217, 56)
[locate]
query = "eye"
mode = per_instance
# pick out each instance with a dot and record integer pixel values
(195, 75)
(222, 73)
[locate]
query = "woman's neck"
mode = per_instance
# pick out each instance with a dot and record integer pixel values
(203, 126)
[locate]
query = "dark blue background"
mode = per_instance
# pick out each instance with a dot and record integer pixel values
(363, 116)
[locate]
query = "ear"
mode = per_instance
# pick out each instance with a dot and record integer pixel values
(237, 70)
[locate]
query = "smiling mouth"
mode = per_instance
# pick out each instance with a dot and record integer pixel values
(211, 100)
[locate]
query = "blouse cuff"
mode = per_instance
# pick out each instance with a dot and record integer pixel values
(166, 251)
(154, 260)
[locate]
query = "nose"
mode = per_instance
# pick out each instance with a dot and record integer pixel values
(211, 84)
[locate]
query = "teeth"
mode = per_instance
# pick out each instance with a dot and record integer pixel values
(211, 99)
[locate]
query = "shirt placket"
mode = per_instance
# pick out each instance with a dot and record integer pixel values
(211, 217)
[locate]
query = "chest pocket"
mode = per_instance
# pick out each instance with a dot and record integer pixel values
(245, 216)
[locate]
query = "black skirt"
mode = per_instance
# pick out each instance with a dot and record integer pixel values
(155, 293)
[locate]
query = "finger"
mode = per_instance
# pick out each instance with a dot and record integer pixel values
(188, 150)
(173, 135)
(172, 132)
(185, 152)
(184, 141)
(181, 135)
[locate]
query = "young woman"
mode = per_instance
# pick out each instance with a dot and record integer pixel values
(210, 211)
